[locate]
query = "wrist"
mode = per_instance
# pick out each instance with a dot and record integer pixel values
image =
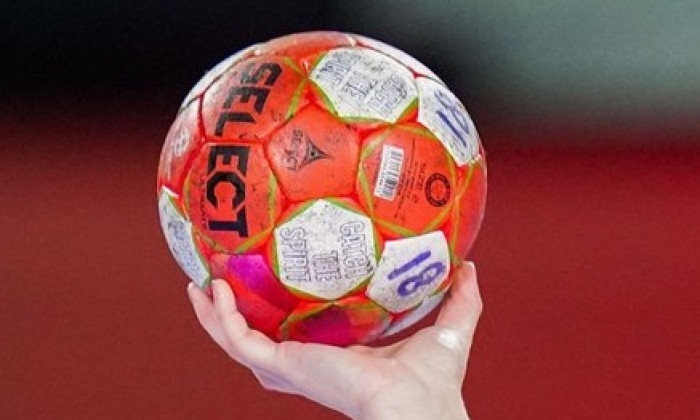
(448, 405)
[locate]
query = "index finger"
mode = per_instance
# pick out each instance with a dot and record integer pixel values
(221, 319)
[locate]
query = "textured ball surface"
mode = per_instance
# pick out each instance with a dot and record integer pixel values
(332, 180)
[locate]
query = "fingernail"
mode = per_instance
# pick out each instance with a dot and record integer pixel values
(192, 290)
(463, 286)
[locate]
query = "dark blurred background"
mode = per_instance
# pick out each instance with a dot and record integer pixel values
(588, 257)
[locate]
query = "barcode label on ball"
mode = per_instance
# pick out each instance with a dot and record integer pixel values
(389, 172)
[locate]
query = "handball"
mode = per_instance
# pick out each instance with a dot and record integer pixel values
(332, 180)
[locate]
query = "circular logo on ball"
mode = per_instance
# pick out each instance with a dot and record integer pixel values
(437, 190)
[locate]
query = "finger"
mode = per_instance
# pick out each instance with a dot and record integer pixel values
(249, 347)
(204, 310)
(463, 307)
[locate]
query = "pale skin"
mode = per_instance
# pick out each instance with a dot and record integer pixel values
(419, 377)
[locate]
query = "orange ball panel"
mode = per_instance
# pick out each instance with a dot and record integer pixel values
(232, 196)
(406, 181)
(314, 155)
(468, 211)
(180, 143)
(252, 99)
(302, 46)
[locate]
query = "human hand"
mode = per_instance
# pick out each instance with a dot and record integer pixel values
(419, 377)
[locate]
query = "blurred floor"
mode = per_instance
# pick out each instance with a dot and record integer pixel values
(588, 264)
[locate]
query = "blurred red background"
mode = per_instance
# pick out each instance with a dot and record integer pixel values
(587, 262)
(587, 259)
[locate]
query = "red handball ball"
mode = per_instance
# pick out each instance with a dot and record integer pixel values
(332, 180)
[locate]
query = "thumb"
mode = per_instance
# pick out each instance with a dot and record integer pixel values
(461, 310)
(453, 330)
